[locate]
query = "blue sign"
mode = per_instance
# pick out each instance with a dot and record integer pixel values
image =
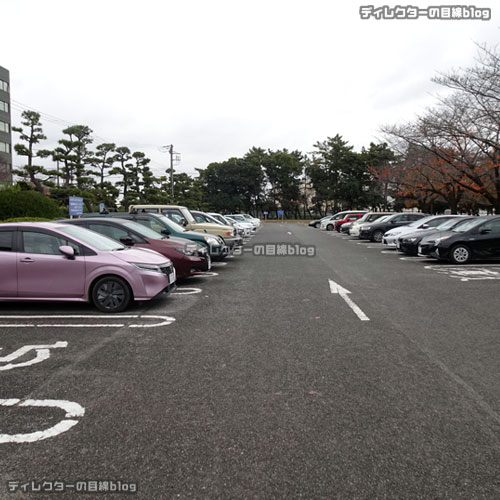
(266, 213)
(281, 212)
(101, 207)
(75, 205)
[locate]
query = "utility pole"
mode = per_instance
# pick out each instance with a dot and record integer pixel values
(171, 151)
(305, 192)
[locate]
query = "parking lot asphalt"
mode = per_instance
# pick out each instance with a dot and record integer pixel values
(348, 374)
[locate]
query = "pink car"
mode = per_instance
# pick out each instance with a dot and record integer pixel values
(41, 261)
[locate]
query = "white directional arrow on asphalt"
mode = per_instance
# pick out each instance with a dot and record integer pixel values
(340, 290)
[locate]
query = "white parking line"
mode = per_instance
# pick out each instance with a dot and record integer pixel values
(73, 410)
(186, 291)
(415, 259)
(204, 275)
(166, 320)
(219, 264)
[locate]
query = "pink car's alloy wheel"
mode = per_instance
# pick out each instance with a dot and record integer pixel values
(111, 294)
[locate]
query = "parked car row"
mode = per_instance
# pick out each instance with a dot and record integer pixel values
(114, 258)
(458, 239)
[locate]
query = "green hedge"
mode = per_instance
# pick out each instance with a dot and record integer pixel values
(27, 219)
(16, 203)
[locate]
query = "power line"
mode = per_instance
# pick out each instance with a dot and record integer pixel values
(19, 106)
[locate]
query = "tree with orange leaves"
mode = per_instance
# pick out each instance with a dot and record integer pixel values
(461, 135)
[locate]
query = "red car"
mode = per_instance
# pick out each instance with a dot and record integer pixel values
(188, 258)
(348, 218)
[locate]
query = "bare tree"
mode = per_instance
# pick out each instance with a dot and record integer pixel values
(462, 133)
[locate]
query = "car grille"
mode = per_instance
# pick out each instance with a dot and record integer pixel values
(167, 269)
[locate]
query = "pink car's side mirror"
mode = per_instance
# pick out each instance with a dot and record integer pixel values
(67, 251)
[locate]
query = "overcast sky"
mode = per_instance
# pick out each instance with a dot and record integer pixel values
(216, 77)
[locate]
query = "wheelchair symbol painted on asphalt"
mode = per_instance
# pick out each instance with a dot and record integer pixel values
(73, 411)
(469, 273)
(42, 353)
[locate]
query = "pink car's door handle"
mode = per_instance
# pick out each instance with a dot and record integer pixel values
(27, 259)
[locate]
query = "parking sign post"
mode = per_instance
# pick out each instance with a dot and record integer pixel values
(75, 206)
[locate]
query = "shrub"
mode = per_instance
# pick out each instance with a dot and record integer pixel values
(15, 203)
(27, 219)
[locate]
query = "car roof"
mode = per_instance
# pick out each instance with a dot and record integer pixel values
(133, 214)
(350, 212)
(101, 219)
(135, 207)
(44, 225)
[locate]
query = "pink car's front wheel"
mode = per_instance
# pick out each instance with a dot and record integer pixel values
(111, 294)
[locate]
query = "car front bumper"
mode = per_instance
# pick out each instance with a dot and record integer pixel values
(390, 241)
(425, 250)
(408, 247)
(233, 242)
(218, 252)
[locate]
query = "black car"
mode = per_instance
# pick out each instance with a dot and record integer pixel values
(315, 223)
(427, 244)
(477, 239)
(408, 243)
(344, 228)
(375, 231)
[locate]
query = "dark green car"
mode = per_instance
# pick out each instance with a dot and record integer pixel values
(165, 226)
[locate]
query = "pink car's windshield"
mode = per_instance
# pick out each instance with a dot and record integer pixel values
(91, 238)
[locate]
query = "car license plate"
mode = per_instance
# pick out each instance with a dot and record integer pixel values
(171, 277)
(398, 245)
(209, 260)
